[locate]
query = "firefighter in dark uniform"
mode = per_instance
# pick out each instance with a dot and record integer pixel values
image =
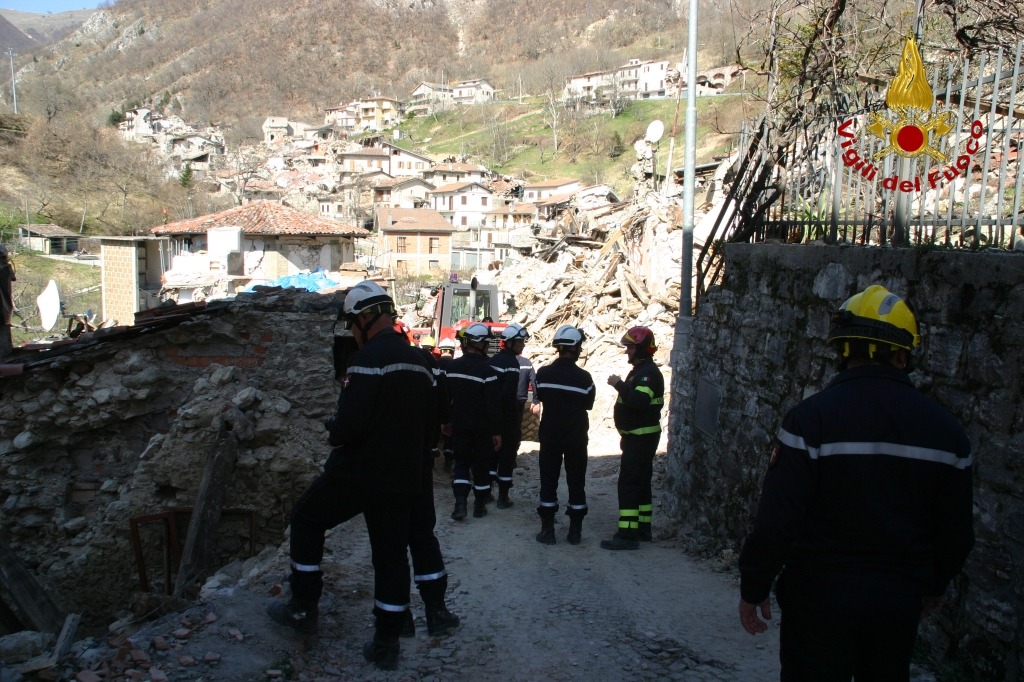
(506, 363)
(428, 567)
(567, 393)
(447, 349)
(865, 509)
(373, 470)
(638, 420)
(476, 420)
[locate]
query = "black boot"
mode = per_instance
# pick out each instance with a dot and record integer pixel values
(440, 621)
(643, 533)
(547, 531)
(623, 539)
(575, 529)
(503, 499)
(408, 625)
(460, 508)
(300, 612)
(479, 507)
(384, 648)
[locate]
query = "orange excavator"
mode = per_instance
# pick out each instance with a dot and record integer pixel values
(456, 305)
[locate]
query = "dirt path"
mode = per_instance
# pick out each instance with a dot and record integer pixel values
(529, 611)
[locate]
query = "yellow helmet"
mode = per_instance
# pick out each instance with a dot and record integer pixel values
(428, 342)
(877, 317)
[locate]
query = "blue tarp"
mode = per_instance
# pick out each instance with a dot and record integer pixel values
(312, 281)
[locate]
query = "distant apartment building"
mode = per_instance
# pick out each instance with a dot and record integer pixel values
(475, 91)
(463, 204)
(426, 98)
(636, 79)
(371, 114)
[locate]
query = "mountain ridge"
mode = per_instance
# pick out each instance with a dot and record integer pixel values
(236, 62)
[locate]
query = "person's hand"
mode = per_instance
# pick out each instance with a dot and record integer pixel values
(931, 605)
(748, 616)
(497, 442)
(535, 408)
(614, 379)
(446, 430)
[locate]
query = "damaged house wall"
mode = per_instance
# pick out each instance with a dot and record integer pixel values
(758, 347)
(121, 425)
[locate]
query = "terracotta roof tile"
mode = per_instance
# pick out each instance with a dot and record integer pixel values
(412, 220)
(459, 186)
(263, 218)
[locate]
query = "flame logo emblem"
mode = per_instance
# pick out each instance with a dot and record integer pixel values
(915, 130)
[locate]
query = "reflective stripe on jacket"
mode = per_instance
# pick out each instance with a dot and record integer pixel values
(641, 397)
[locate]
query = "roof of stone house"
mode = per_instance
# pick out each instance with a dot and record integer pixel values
(391, 182)
(411, 220)
(517, 209)
(263, 218)
(458, 187)
(48, 230)
(367, 151)
(556, 199)
(456, 168)
(557, 182)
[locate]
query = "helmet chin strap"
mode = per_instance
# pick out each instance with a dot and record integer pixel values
(364, 337)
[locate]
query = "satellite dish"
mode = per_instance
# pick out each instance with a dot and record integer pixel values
(654, 131)
(49, 305)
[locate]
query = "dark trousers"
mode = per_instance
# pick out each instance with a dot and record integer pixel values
(551, 457)
(841, 627)
(427, 562)
(474, 454)
(635, 471)
(337, 496)
(511, 437)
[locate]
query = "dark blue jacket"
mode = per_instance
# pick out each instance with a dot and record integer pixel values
(868, 478)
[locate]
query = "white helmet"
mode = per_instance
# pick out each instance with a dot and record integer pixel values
(367, 297)
(475, 333)
(515, 332)
(447, 344)
(568, 336)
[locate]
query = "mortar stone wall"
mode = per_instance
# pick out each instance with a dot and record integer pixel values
(122, 427)
(760, 338)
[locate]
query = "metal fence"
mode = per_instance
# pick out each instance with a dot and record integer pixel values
(844, 178)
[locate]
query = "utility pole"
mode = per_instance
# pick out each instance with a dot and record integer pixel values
(11, 54)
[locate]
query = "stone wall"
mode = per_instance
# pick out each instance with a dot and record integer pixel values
(120, 426)
(757, 348)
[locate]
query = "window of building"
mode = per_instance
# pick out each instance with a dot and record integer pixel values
(464, 220)
(483, 201)
(465, 199)
(402, 244)
(435, 245)
(434, 265)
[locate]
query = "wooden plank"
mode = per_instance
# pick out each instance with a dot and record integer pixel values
(636, 286)
(28, 596)
(67, 636)
(551, 307)
(197, 553)
(615, 237)
(612, 265)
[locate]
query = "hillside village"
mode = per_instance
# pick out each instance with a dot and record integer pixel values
(344, 194)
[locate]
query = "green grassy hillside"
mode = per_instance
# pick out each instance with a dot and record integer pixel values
(79, 287)
(517, 138)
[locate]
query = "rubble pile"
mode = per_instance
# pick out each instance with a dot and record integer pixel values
(624, 270)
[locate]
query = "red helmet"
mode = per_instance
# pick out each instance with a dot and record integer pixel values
(403, 329)
(642, 338)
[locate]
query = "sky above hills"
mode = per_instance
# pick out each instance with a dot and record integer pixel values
(45, 6)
